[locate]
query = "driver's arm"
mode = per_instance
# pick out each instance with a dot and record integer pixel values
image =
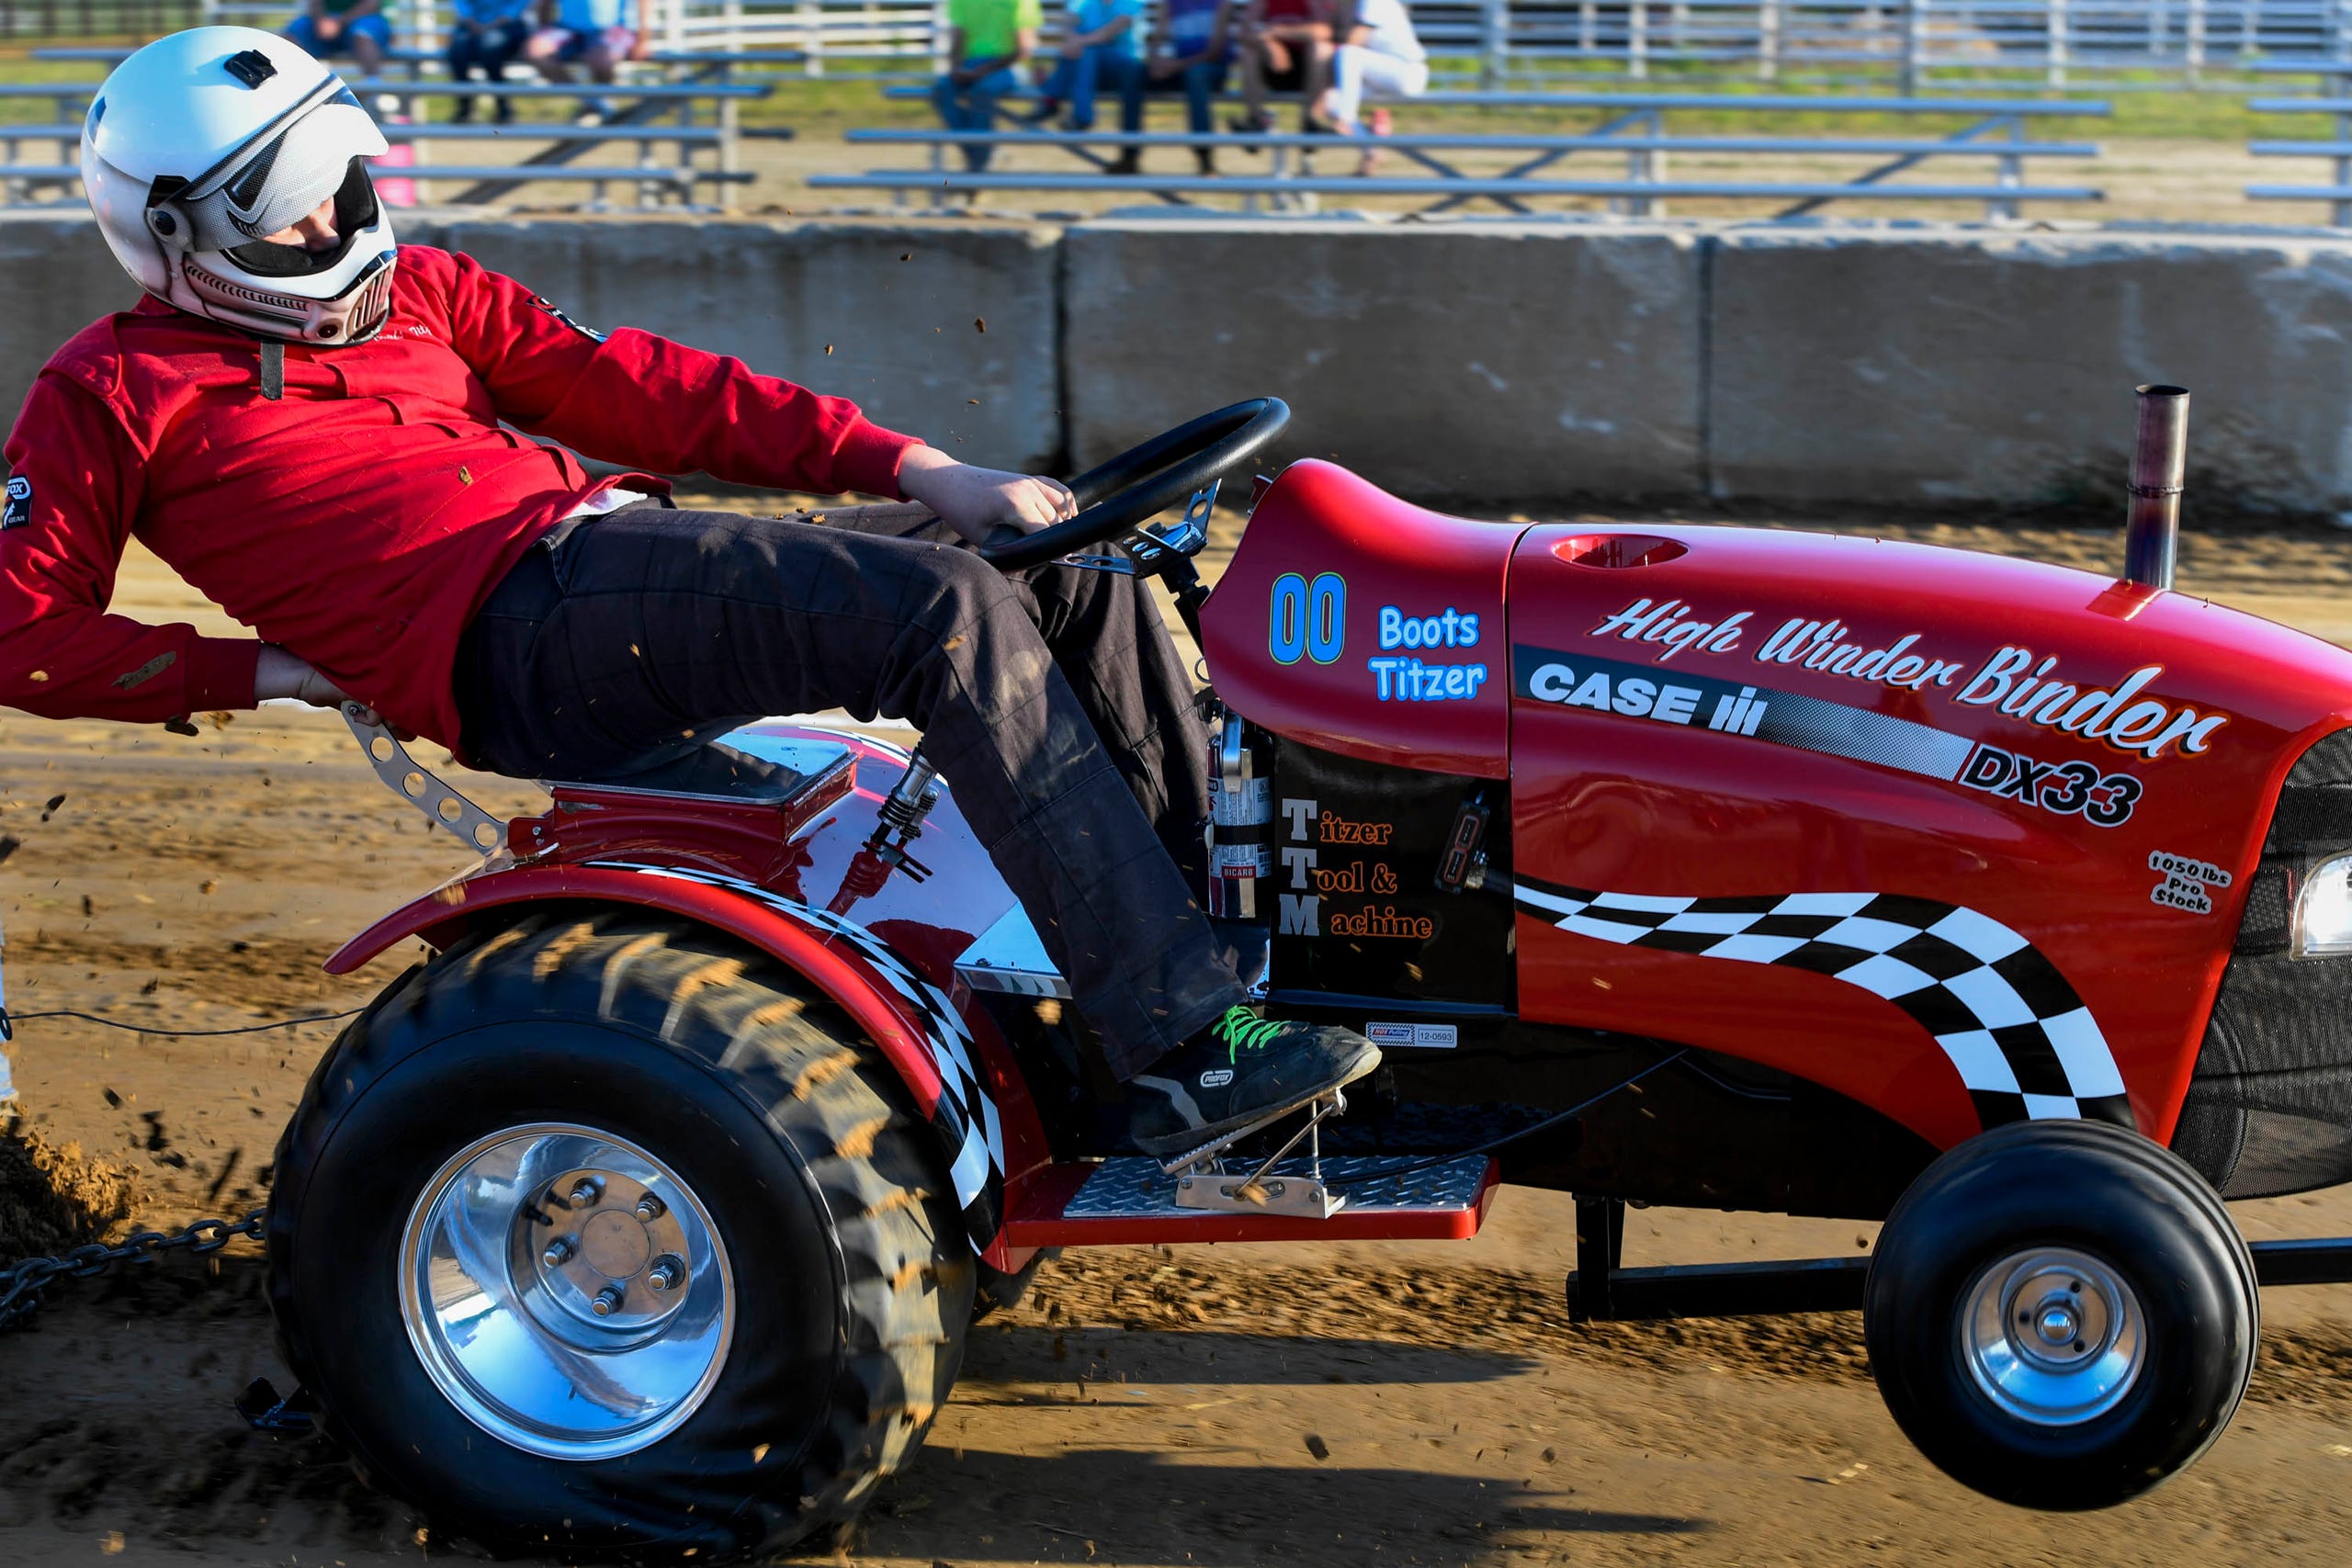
(74, 478)
(648, 402)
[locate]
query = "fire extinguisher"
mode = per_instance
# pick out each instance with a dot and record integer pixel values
(1241, 820)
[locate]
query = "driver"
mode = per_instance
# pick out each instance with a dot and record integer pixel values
(319, 431)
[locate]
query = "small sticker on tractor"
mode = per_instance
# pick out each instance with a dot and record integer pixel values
(2186, 880)
(1424, 1036)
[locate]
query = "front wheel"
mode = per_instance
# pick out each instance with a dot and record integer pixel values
(599, 1235)
(2061, 1315)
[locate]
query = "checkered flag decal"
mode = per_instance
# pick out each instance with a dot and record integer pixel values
(965, 1118)
(2024, 1043)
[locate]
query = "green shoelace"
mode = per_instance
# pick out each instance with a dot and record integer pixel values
(1239, 1029)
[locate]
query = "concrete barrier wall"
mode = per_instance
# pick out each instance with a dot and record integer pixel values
(884, 314)
(1491, 362)
(890, 315)
(1958, 367)
(1477, 362)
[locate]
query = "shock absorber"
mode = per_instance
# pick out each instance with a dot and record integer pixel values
(1241, 820)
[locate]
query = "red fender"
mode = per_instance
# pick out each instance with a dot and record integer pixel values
(441, 917)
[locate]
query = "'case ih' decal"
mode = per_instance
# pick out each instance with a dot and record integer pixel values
(1703, 701)
(965, 1120)
(2024, 1045)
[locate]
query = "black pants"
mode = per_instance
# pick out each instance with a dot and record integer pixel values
(491, 49)
(1052, 701)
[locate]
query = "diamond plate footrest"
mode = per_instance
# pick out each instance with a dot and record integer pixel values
(1372, 1184)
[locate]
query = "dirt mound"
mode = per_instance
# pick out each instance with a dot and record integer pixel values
(1495, 1310)
(54, 1196)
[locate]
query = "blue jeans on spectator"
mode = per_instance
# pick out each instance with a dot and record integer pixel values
(972, 106)
(1199, 82)
(1108, 66)
(303, 31)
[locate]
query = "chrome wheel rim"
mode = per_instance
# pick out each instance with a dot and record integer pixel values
(2052, 1336)
(566, 1292)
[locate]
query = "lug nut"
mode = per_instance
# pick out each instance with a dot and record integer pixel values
(668, 1272)
(560, 1250)
(586, 1192)
(650, 1208)
(607, 1302)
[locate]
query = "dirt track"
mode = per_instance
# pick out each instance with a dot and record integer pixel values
(1405, 1404)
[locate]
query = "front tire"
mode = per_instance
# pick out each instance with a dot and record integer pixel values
(2061, 1315)
(602, 1236)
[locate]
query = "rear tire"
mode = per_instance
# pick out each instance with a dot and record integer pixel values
(797, 1175)
(2061, 1315)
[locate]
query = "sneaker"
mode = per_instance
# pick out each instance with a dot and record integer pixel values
(1250, 124)
(505, 115)
(1128, 162)
(1044, 110)
(1239, 1070)
(1206, 158)
(463, 114)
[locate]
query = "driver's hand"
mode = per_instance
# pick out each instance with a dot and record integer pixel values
(975, 502)
(278, 673)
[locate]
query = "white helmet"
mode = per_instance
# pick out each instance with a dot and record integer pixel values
(201, 143)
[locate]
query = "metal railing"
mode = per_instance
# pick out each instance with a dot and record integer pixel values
(659, 121)
(1634, 131)
(2334, 97)
(1916, 45)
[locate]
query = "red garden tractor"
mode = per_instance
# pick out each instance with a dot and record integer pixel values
(1706, 866)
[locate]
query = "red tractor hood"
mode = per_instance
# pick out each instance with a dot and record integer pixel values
(2078, 770)
(1367, 626)
(1734, 754)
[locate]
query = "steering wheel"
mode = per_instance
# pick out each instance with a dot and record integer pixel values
(1138, 484)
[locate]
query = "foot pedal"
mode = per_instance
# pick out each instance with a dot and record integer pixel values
(1204, 1181)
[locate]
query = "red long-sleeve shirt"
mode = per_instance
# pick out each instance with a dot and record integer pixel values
(361, 518)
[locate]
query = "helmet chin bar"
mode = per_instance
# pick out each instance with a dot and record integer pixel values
(351, 317)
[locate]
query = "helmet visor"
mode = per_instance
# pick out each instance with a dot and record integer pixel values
(282, 175)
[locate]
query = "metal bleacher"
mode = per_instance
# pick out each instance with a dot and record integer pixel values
(2334, 97)
(1633, 128)
(667, 123)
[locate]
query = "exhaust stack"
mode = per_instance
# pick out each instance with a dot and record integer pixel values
(2159, 463)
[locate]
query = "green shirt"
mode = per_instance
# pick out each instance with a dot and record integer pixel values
(989, 26)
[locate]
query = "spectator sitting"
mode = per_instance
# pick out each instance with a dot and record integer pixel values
(1103, 47)
(328, 27)
(1284, 48)
(1379, 56)
(597, 33)
(1189, 56)
(488, 35)
(985, 40)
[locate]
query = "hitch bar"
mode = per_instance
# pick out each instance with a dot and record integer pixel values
(1602, 1291)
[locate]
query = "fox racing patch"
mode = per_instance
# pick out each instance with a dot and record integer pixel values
(17, 510)
(552, 308)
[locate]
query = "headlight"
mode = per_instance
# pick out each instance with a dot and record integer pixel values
(2323, 921)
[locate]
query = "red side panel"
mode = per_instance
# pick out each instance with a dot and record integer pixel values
(1356, 623)
(2056, 819)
